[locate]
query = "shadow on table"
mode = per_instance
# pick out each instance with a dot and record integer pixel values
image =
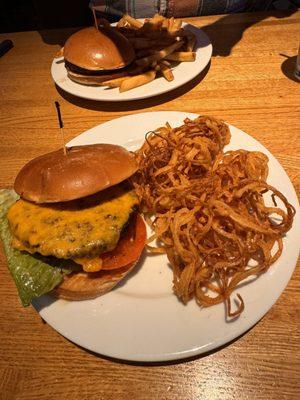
(288, 67)
(224, 33)
(57, 36)
(133, 104)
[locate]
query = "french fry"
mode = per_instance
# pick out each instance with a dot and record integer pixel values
(113, 83)
(122, 23)
(159, 54)
(139, 80)
(157, 43)
(166, 24)
(140, 43)
(166, 71)
(144, 52)
(191, 41)
(155, 66)
(176, 25)
(153, 32)
(132, 21)
(158, 19)
(182, 56)
(171, 22)
(167, 41)
(165, 62)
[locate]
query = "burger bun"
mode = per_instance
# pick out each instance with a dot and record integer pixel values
(98, 50)
(82, 171)
(85, 286)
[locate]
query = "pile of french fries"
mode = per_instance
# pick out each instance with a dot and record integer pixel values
(158, 43)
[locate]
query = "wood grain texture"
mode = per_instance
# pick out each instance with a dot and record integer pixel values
(249, 84)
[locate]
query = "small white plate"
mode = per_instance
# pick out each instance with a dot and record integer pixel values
(141, 319)
(183, 73)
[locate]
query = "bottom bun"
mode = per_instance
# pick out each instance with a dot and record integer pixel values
(95, 80)
(84, 286)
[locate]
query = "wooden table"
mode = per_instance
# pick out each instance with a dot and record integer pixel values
(249, 84)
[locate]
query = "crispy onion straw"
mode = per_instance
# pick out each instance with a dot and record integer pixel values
(209, 208)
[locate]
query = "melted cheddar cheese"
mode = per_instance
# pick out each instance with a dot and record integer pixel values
(90, 264)
(72, 230)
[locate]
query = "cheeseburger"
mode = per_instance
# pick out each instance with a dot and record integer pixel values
(77, 211)
(95, 55)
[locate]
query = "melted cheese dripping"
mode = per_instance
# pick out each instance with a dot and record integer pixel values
(88, 264)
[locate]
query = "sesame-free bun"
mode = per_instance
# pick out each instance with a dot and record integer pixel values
(82, 171)
(84, 285)
(97, 79)
(97, 50)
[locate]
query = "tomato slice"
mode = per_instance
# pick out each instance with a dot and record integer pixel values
(129, 246)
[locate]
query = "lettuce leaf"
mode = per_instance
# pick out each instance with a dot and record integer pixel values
(34, 275)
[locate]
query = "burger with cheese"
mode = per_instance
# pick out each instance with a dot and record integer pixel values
(75, 230)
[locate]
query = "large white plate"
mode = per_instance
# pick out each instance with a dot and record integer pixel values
(183, 73)
(141, 319)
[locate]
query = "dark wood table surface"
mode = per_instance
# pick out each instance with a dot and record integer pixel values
(249, 83)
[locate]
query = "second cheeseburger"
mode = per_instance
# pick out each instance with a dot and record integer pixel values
(80, 206)
(93, 56)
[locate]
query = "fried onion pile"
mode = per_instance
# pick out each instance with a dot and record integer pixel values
(209, 210)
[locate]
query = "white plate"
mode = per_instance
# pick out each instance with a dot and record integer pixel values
(183, 73)
(141, 319)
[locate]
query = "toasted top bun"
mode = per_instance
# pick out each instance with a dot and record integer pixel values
(103, 49)
(83, 171)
